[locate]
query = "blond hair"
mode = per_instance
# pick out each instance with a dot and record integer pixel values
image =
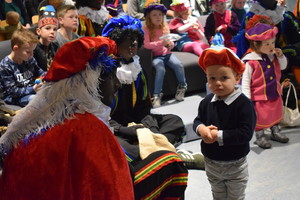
(62, 10)
(151, 26)
(232, 3)
(23, 36)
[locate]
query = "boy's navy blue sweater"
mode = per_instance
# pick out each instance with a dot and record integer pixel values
(17, 80)
(237, 121)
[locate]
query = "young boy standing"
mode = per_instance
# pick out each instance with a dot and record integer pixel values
(68, 22)
(19, 69)
(226, 121)
(47, 29)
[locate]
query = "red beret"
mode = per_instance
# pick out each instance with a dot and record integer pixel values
(180, 5)
(211, 2)
(73, 56)
(221, 56)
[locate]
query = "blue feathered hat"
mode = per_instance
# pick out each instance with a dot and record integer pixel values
(123, 22)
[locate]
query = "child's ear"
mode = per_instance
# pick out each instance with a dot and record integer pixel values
(15, 47)
(38, 31)
(238, 78)
(60, 20)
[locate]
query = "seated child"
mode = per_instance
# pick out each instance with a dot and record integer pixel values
(154, 28)
(68, 22)
(19, 69)
(223, 21)
(13, 21)
(188, 27)
(237, 6)
(47, 29)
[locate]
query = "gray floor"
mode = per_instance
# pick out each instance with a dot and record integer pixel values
(274, 174)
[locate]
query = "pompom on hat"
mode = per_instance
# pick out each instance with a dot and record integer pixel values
(211, 2)
(75, 56)
(180, 5)
(123, 22)
(155, 6)
(261, 32)
(47, 16)
(221, 56)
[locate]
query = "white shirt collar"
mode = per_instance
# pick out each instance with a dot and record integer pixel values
(228, 100)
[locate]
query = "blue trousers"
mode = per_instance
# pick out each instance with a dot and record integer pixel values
(169, 60)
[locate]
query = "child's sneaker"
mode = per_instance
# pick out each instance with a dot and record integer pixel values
(156, 101)
(191, 160)
(180, 93)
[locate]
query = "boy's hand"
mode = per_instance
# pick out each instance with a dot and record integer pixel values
(206, 135)
(37, 87)
(278, 52)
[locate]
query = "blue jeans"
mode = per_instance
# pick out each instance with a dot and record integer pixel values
(25, 100)
(159, 64)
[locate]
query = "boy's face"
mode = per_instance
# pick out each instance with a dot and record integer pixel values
(221, 80)
(239, 4)
(267, 46)
(219, 7)
(24, 52)
(47, 33)
(69, 20)
(156, 17)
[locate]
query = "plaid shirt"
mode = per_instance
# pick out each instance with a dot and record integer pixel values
(17, 80)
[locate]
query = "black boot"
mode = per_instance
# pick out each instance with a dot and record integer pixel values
(277, 136)
(261, 140)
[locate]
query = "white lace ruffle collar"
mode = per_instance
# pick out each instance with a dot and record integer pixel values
(97, 16)
(128, 73)
(276, 15)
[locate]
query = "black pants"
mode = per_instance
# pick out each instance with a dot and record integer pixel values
(169, 125)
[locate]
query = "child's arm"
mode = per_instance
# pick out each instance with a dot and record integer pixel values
(209, 29)
(13, 87)
(200, 31)
(281, 58)
(246, 80)
(245, 121)
(148, 44)
(233, 27)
